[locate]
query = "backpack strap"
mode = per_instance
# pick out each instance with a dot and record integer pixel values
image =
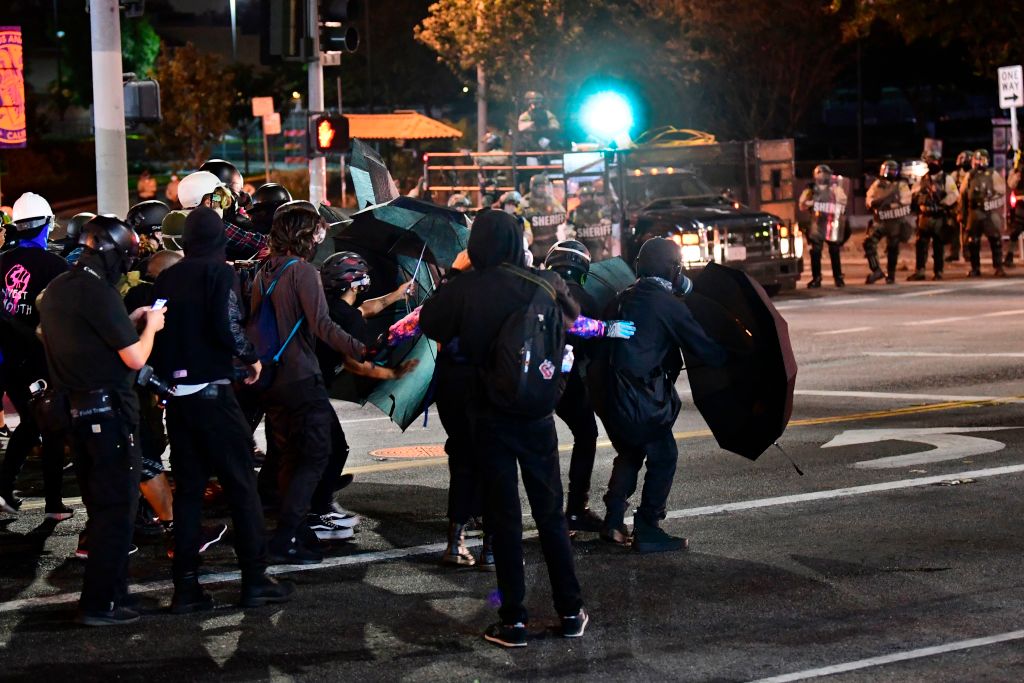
(291, 335)
(273, 283)
(530, 277)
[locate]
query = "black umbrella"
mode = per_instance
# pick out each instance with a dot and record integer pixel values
(748, 402)
(606, 279)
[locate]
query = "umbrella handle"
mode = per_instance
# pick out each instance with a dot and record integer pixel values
(791, 461)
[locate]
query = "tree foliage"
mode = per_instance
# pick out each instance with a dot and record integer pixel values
(736, 67)
(196, 93)
(988, 33)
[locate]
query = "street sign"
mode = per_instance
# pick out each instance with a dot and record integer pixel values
(947, 441)
(262, 106)
(272, 124)
(1011, 87)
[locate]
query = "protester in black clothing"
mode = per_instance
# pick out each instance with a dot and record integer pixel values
(473, 307)
(298, 410)
(93, 351)
(650, 364)
(207, 431)
(26, 270)
(571, 260)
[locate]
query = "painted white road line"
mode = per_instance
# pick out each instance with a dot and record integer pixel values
(848, 299)
(940, 354)
(927, 292)
(920, 653)
(846, 331)
(895, 396)
(937, 321)
(831, 302)
(949, 444)
(433, 548)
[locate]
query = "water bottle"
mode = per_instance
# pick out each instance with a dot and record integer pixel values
(567, 359)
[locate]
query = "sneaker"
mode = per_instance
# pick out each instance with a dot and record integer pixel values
(653, 539)
(327, 529)
(292, 553)
(264, 590)
(615, 533)
(574, 626)
(115, 617)
(486, 561)
(7, 507)
(583, 520)
(342, 517)
(506, 635)
(209, 535)
(5, 437)
(11, 503)
(82, 553)
(60, 514)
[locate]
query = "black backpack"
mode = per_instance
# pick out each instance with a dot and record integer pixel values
(523, 374)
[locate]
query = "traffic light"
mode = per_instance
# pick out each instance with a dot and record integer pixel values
(327, 133)
(338, 32)
(284, 32)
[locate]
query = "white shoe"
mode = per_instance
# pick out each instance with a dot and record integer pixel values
(329, 530)
(342, 517)
(6, 507)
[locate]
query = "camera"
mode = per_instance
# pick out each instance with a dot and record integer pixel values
(148, 380)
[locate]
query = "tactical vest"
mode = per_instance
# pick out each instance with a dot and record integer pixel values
(893, 210)
(981, 192)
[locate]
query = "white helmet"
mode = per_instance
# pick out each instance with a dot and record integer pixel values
(31, 205)
(195, 186)
(31, 214)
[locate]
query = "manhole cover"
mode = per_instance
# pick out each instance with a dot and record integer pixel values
(431, 451)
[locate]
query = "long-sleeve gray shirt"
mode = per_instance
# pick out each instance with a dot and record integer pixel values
(299, 294)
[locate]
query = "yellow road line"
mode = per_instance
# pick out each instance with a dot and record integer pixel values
(390, 466)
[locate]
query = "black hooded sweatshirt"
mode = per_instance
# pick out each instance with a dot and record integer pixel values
(473, 306)
(202, 331)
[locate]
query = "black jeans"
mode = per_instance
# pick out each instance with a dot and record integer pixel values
(152, 435)
(504, 443)
(107, 462)
(323, 496)
(299, 420)
(661, 455)
(577, 412)
(465, 492)
(211, 436)
(20, 374)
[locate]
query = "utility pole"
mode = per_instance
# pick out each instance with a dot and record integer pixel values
(481, 88)
(317, 165)
(108, 108)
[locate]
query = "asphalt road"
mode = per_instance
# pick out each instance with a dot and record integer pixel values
(876, 565)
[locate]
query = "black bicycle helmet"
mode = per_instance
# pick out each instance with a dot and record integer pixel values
(74, 227)
(569, 258)
(343, 271)
(226, 171)
(146, 217)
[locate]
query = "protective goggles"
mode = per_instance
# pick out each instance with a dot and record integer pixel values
(220, 198)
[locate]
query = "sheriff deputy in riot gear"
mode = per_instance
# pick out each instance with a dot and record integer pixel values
(545, 216)
(935, 196)
(94, 350)
(981, 210)
(592, 224)
(889, 198)
(825, 201)
(956, 235)
(1017, 212)
(537, 125)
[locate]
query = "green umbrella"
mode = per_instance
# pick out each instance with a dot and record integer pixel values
(606, 279)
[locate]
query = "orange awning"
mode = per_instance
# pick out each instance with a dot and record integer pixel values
(400, 125)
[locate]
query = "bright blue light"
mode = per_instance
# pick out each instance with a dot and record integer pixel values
(606, 115)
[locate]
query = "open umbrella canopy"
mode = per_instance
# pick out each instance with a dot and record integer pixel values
(606, 279)
(748, 402)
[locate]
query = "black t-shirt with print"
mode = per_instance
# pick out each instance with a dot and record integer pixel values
(24, 273)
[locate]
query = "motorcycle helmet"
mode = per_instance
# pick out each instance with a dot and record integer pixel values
(110, 238)
(570, 259)
(226, 171)
(822, 174)
(74, 227)
(344, 271)
(459, 202)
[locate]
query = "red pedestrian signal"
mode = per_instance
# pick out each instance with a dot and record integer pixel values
(327, 133)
